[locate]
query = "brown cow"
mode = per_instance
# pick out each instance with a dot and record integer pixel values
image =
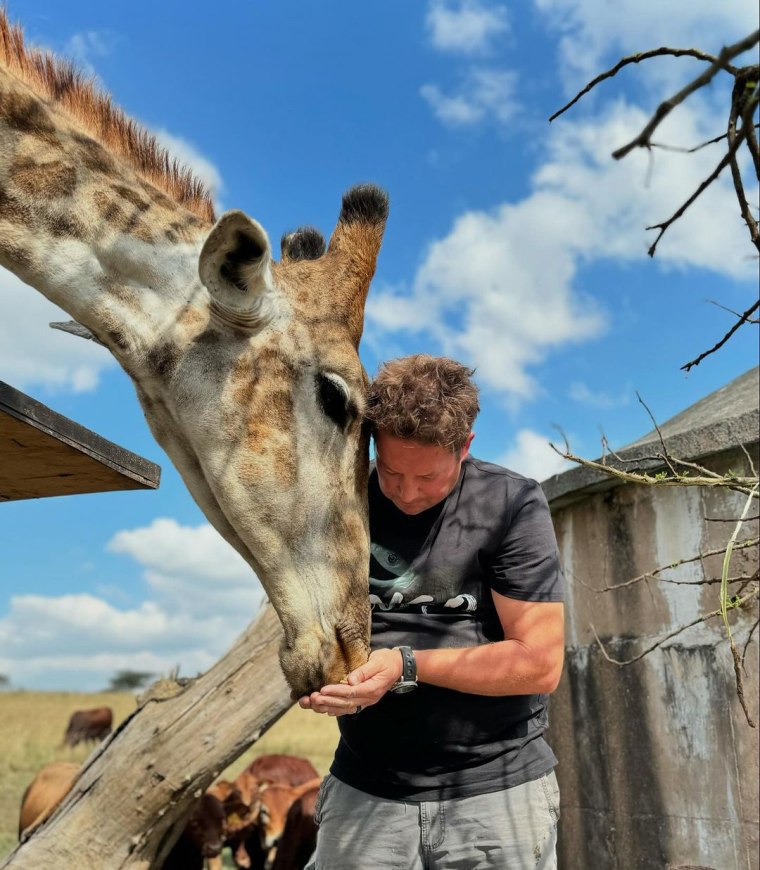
(86, 725)
(275, 802)
(43, 794)
(299, 837)
(202, 837)
(269, 769)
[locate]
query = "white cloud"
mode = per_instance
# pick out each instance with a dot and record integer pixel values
(189, 156)
(466, 27)
(185, 566)
(32, 354)
(502, 290)
(595, 34)
(532, 456)
(581, 392)
(202, 595)
(484, 93)
(86, 46)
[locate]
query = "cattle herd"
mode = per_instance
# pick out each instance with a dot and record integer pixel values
(265, 816)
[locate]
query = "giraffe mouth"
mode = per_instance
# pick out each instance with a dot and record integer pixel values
(353, 648)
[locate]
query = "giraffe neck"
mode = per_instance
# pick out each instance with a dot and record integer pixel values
(87, 231)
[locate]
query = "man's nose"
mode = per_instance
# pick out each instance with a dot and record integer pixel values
(406, 490)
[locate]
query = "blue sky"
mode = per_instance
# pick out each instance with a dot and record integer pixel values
(514, 245)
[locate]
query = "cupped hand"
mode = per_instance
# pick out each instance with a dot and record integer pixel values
(364, 687)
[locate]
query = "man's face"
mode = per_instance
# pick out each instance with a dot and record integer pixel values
(413, 475)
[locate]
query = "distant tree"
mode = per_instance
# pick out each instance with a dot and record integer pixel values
(5, 681)
(127, 681)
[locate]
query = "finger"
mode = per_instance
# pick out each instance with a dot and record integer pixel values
(337, 692)
(333, 705)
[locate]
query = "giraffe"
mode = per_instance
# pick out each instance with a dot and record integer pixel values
(247, 369)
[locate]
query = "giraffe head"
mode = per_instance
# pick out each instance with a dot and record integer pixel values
(270, 391)
(247, 368)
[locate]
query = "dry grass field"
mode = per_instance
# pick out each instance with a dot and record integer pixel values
(32, 725)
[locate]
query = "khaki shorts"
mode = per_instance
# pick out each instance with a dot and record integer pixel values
(514, 828)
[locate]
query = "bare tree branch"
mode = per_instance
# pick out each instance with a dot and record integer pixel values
(652, 575)
(738, 111)
(637, 58)
(749, 640)
(740, 682)
(731, 311)
(666, 107)
(725, 161)
(744, 318)
(729, 519)
(677, 148)
(741, 602)
(736, 483)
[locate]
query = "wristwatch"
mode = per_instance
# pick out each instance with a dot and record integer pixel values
(408, 679)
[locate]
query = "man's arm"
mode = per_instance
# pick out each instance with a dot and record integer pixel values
(529, 661)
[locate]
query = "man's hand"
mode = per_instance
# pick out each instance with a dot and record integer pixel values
(365, 686)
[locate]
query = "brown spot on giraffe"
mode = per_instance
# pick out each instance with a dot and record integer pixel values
(131, 196)
(14, 254)
(284, 465)
(163, 359)
(92, 155)
(64, 225)
(114, 214)
(14, 211)
(48, 180)
(22, 112)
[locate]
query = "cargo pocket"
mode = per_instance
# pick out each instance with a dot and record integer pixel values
(550, 789)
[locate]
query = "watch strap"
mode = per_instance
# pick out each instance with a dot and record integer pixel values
(409, 665)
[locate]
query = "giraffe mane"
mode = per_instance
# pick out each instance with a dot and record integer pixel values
(59, 81)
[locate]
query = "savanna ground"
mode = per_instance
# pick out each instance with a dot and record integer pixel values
(32, 725)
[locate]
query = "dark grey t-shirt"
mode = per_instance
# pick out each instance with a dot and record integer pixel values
(431, 577)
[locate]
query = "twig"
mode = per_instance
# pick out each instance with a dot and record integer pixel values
(729, 519)
(637, 58)
(744, 318)
(738, 484)
(665, 454)
(652, 575)
(666, 107)
(663, 227)
(727, 562)
(749, 639)
(731, 311)
(740, 683)
(680, 150)
(755, 593)
(736, 96)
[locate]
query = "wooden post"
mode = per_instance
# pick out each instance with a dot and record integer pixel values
(134, 793)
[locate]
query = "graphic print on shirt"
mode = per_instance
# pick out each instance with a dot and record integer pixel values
(392, 585)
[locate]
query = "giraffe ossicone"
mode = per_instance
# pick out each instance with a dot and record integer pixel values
(247, 369)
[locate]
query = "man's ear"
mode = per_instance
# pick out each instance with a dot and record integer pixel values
(466, 448)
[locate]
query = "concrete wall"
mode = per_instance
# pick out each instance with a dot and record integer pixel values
(658, 766)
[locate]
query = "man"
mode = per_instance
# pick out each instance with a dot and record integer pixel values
(446, 767)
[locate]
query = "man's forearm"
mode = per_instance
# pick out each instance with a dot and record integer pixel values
(506, 667)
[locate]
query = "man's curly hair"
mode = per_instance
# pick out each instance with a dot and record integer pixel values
(424, 398)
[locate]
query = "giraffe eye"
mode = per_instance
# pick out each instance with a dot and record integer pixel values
(335, 399)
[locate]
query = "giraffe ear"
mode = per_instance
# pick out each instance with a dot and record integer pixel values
(235, 264)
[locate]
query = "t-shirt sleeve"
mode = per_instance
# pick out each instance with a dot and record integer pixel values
(526, 565)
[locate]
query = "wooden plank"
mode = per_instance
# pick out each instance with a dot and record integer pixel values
(43, 453)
